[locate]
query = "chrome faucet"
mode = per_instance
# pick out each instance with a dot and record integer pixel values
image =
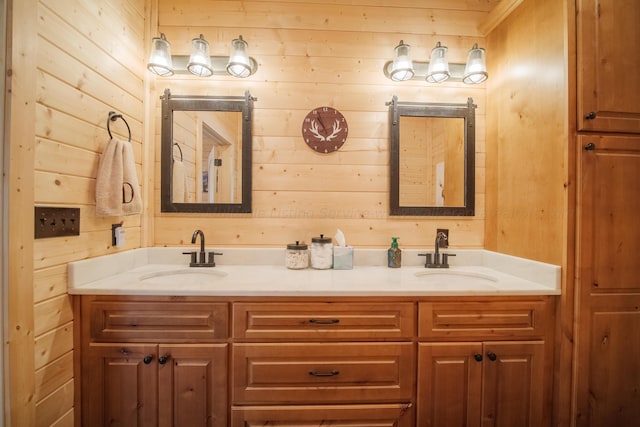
(204, 261)
(440, 242)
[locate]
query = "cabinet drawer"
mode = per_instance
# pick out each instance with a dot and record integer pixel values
(118, 321)
(322, 321)
(382, 415)
(482, 320)
(322, 372)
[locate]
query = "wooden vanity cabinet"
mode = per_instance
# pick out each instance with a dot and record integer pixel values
(323, 363)
(484, 363)
(153, 362)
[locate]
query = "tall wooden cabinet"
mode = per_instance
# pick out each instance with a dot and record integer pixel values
(608, 64)
(608, 351)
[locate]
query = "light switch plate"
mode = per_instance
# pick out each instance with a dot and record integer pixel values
(56, 222)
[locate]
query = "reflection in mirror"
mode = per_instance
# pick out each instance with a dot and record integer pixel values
(206, 153)
(432, 158)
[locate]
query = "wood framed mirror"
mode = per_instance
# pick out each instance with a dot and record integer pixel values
(432, 158)
(206, 153)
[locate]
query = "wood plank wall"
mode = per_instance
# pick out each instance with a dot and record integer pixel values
(310, 54)
(90, 60)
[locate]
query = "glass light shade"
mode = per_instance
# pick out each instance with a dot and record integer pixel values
(239, 64)
(438, 71)
(200, 61)
(402, 67)
(476, 69)
(160, 57)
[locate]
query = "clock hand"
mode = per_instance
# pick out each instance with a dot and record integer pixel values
(324, 128)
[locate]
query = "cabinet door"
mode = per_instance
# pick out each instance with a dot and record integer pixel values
(450, 384)
(192, 385)
(120, 385)
(382, 415)
(608, 64)
(513, 384)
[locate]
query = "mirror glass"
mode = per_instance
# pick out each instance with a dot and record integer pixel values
(432, 158)
(206, 154)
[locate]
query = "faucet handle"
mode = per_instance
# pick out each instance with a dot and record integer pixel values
(445, 259)
(212, 261)
(427, 260)
(194, 256)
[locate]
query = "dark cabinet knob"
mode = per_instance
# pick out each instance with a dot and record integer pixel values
(147, 359)
(590, 116)
(164, 359)
(478, 357)
(492, 356)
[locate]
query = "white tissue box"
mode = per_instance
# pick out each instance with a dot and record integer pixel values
(342, 257)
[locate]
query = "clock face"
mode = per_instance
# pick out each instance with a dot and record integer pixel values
(324, 129)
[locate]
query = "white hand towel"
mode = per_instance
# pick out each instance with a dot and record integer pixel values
(179, 182)
(117, 187)
(131, 194)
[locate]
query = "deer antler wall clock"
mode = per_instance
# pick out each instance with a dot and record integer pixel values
(325, 129)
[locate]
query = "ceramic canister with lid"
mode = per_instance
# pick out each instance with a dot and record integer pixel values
(297, 256)
(321, 252)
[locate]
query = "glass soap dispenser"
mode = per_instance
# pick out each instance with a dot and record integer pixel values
(394, 254)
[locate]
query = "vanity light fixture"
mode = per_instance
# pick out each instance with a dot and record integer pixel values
(200, 63)
(402, 66)
(160, 59)
(476, 70)
(239, 64)
(438, 69)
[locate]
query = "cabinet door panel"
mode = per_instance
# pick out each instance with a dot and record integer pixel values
(610, 206)
(450, 388)
(513, 384)
(608, 80)
(123, 387)
(192, 386)
(614, 369)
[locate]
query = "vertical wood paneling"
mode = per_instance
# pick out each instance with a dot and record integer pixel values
(312, 54)
(19, 98)
(528, 132)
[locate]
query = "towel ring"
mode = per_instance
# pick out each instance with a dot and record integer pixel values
(179, 149)
(112, 118)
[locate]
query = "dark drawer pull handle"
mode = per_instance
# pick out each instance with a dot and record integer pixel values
(477, 357)
(324, 321)
(164, 359)
(492, 356)
(332, 373)
(147, 360)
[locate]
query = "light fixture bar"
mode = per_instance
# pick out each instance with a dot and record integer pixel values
(218, 65)
(421, 70)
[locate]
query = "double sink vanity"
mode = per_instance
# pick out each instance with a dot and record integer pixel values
(249, 342)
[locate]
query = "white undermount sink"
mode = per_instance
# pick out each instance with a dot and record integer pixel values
(455, 277)
(194, 276)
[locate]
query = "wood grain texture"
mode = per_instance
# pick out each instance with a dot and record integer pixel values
(527, 134)
(309, 55)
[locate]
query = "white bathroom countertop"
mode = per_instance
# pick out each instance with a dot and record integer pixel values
(261, 272)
